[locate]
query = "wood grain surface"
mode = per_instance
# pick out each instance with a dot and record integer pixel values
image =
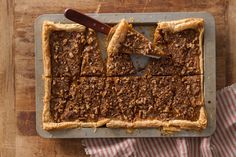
(18, 136)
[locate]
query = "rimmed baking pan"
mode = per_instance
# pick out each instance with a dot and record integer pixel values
(145, 23)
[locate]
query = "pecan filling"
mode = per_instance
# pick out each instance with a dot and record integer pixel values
(182, 53)
(127, 98)
(66, 49)
(86, 100)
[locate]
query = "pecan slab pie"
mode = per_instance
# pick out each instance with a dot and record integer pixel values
(80, 91)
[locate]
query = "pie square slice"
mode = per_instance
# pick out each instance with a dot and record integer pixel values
(92, 63)
(182, 41)
(62, 49)
(172, 108)
(62, 46)
(87, 97)
(127, 99)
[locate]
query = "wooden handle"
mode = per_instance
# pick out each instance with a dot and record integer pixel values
(86, 21)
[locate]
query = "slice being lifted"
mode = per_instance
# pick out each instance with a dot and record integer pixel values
(127, 40)
(118, 63)
(124, 40)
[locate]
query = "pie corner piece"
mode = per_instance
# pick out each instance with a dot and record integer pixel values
(189, 34)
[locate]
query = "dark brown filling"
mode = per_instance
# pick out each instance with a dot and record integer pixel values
(87, 97)
(183, 53)
(125, 98)
(176, 97)
(66, 49)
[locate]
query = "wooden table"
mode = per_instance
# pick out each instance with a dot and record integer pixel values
(18, 136)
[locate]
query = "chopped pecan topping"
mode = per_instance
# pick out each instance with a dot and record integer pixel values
(119, 64)
(128, 98)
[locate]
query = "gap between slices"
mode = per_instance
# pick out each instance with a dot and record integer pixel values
(133, 42)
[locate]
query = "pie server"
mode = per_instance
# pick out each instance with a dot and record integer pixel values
(89, 22)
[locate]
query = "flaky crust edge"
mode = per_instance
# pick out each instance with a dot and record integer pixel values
(200, 124)
(47, 120)
(118, 37)
(183, 24)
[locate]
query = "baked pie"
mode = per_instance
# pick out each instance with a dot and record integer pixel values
(80, 91)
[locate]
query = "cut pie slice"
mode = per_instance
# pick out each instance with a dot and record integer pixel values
(182, 42)
(92, 63)
(62, 49)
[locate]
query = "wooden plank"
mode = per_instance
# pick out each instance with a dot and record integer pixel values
(28, 146)
(7, 94)
(231, 57)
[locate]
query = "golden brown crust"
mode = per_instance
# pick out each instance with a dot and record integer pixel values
(180, 25)
(74, 124)
(118, 37)
(182, 124)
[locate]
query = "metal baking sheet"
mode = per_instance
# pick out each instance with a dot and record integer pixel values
(145, 23)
